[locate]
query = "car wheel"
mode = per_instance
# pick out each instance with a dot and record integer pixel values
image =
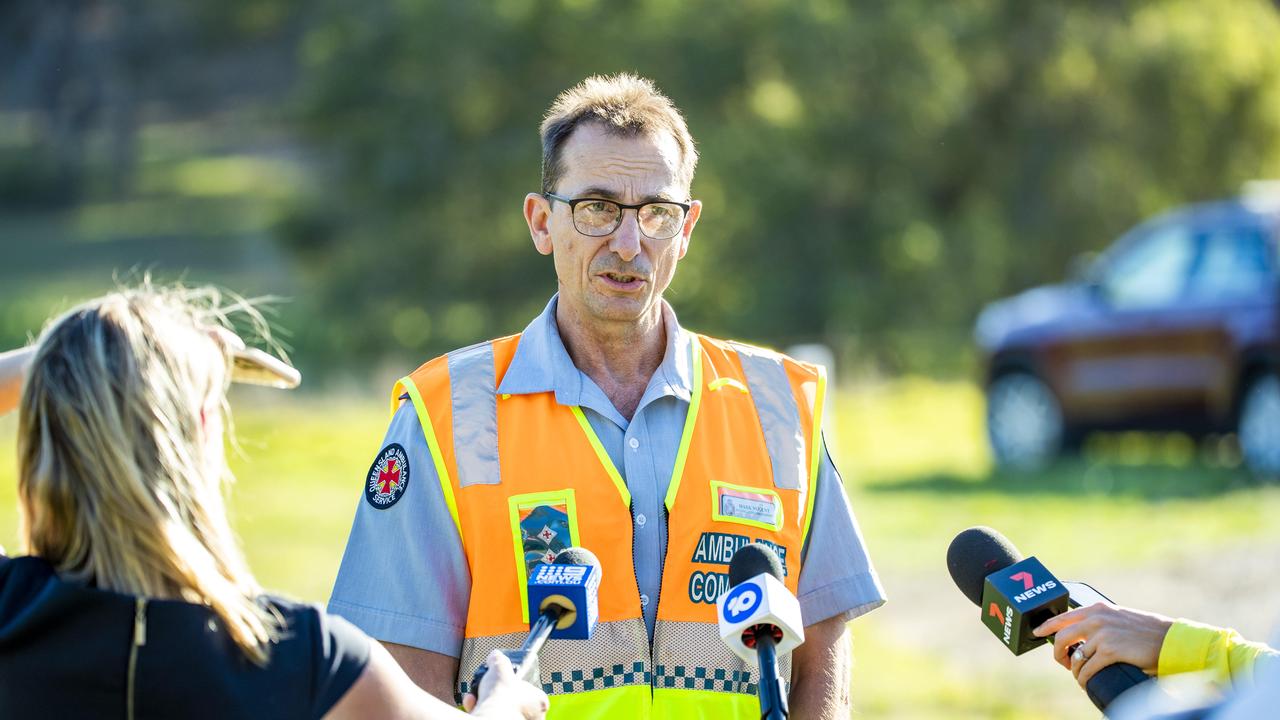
(1024, 422)
(1259, 429)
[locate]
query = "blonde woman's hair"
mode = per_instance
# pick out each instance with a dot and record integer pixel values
(624, 104)
(119, 482)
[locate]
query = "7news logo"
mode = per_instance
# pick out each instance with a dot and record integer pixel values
(1006, 620)
(1029, 591)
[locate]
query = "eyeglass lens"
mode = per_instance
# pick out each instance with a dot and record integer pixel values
(601, 217)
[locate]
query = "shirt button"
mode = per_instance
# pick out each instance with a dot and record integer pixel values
(644, 601)
(641, 519)
(634, 443)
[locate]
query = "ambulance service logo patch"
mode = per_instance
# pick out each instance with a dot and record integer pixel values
(388, 477)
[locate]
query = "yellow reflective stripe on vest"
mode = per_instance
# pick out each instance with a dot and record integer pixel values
(680, 704)
(515, 504)
(428, 431)
(816, 444)
(686, 436)
(639, 702)
(632, 701)
(603, 456)
(718, 383)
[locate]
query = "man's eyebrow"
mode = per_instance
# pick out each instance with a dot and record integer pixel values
(607, 194)
(600, 192)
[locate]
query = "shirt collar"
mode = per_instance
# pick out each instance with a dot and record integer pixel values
(542, 364)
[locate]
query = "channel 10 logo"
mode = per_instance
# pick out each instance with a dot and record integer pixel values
(741, 602)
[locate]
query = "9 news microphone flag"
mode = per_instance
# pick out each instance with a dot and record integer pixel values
(760, 619)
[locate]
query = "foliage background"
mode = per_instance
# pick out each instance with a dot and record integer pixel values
(872, 174)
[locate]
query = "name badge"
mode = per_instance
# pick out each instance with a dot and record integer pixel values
(756, 507)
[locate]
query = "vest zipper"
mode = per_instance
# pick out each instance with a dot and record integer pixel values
(653, 663)
(139, 639)
(662, 569)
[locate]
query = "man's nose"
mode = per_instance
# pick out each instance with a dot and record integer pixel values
(625, 242)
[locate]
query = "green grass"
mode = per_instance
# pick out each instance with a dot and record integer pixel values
(916, 471)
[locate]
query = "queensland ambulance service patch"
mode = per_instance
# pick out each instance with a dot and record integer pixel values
(388, 477)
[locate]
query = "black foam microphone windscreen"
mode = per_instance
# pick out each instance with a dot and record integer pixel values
(976, 553)
(751, 560)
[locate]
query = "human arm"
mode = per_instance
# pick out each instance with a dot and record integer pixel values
(1156, 644)
(1190, 646)
(431, 671)
(384, 691)
(837, 584)
(13, 366)
(404, 578)
(820, 672)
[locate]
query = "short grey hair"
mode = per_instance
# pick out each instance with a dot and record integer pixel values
(625, 105)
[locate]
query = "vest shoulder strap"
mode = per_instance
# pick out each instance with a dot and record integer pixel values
(785, 394)
(455, 397)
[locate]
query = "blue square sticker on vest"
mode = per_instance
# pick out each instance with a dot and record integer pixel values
(756, 507)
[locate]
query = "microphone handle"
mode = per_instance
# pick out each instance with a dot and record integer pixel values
(525, 658)
(1112, 681)
(773, 698)
(538, 635)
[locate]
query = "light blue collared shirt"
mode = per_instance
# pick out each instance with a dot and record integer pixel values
(404, 577)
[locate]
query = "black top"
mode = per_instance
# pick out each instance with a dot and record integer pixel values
(64, 653)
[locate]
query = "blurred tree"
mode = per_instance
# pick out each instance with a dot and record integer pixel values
(81, 70)
(872, 172)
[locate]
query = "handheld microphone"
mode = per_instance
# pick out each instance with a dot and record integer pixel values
(760, 619)
(563, 596)
(1017, 594)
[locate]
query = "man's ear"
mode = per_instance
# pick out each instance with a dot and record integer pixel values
(537, 213)
(690, 219)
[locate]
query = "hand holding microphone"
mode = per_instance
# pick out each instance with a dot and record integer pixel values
(760, 620)
(563, 598)
(1090, 638)
(1018, 595)
(505, 696)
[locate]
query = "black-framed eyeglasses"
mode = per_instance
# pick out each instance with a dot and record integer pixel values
(597, 217)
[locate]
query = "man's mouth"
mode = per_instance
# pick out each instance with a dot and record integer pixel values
(622, 277)
(622, 280)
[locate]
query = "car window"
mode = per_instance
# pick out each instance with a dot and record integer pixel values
(1233, 265)
(1151, 271)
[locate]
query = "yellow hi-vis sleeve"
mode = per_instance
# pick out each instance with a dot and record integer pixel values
(1190, 646)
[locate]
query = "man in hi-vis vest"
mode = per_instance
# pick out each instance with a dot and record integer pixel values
(606, 425)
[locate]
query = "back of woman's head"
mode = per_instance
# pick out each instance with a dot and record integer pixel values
(120, 455)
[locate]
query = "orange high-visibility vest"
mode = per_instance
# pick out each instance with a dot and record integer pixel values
(524, 476)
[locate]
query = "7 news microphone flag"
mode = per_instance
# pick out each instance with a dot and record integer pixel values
(1017, 594)
(760, 620)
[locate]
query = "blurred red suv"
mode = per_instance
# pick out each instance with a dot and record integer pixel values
(1175, 327)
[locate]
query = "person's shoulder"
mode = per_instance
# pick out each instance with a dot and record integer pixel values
(305, 618)
(23, 576)
(760, 352)
(312, 636)
(294, 614)
(18, 574)
(439, 362)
